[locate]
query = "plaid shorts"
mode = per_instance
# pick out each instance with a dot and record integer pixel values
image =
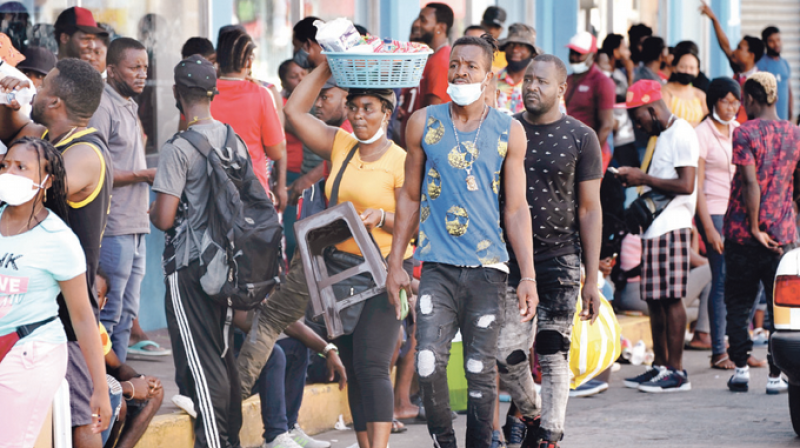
(665, 265)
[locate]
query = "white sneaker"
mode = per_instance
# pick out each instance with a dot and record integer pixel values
(185, 403)
(776, 385)
(282, 441)
(760, 337)
(304, 440)
(740, 379)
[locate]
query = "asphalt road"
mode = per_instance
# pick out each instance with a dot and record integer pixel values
(707, 416)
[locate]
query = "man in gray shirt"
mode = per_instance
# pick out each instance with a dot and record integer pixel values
(122, 255)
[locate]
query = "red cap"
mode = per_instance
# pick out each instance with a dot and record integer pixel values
(643, 92)
(583, 42)
(78, 18)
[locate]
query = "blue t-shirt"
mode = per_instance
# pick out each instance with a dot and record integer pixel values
(31, 265)
(783, 74)
(457, 226)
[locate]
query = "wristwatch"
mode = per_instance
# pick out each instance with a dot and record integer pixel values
(330, 347)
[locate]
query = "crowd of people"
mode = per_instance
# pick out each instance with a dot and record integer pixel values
(505, 187)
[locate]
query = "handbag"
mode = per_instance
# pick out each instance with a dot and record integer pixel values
(7, 341)
(337, 261)
(639, 216)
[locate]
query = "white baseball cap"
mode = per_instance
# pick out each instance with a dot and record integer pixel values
(583, 42)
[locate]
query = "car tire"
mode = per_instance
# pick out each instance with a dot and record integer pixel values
(794, 407)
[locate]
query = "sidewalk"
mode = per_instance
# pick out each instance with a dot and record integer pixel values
(322, 403)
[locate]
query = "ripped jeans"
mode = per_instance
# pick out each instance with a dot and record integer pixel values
(558, 285)
(469, 299)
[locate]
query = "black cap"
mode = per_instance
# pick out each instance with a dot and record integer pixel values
(196, 72)
(38, 59)
(77, 18)
(384, 94)
(331, 82)
(494, 16)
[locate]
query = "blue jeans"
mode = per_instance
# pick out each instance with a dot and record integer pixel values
(289, 218)
(122, 257)
(280, 387)
(716, 299)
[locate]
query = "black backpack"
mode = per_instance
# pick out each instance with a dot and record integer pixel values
(240, 250)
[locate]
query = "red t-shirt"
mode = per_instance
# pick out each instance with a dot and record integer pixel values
(434, 77)
(584, 100)
(294, 151)
(250, 111)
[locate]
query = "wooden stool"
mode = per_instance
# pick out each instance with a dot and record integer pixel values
(325, 229)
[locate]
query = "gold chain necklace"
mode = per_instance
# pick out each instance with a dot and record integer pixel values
(17, 232)
(197, 120)
(472, 184)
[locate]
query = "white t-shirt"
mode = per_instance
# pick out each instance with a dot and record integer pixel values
(676, 147)
(31, 265)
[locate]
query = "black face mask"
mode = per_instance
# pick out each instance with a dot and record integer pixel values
(178, 105)
(772, 53)
(682, 78)
(516, 66)
(657, 128)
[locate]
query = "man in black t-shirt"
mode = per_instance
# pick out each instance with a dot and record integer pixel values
(564, 170)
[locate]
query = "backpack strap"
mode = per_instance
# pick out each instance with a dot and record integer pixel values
(334, 199)
(199, 141)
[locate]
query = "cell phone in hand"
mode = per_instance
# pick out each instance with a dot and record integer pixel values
(613, 170)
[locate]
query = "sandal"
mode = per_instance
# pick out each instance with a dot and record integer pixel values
(398, 427)
(697, 345)
(724, 363)
(148, 348)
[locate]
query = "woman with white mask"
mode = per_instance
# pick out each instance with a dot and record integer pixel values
(366, 169)
(41, 257)
(714, 174)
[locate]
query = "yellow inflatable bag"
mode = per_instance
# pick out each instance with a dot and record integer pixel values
(593, 347)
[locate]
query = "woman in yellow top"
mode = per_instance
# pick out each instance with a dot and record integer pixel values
(682, 98)
(371, 181)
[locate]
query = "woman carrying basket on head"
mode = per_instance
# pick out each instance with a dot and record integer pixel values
(372, 178)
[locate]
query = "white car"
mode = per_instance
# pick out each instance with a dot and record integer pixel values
(786, 338)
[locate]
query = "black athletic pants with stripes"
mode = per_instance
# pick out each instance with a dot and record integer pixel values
(196, 326)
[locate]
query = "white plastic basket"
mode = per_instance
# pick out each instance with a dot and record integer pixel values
(377, 70)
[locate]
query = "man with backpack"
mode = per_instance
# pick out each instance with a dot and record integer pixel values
(202, 215)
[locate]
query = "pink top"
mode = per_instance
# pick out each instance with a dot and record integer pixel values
(716, 150)
(630, 255)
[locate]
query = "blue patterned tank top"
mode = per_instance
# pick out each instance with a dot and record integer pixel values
(459, 226)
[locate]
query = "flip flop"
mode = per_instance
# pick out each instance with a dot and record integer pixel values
(140, 348)
(696, 345)
(719, 364)
(398, 427)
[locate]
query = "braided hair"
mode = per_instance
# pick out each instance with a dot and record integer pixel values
(233, 50)
(56, 200)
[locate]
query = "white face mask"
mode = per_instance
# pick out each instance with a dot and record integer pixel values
(716, 117)
(378, 134)
(581, 67)
(17, 190)
(465, 94)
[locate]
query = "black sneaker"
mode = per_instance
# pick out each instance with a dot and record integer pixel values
(648, 375)
(531, 431)
(667, 381)
(514, 432)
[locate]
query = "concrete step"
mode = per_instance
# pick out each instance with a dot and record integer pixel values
(322, 405)
(636, 328)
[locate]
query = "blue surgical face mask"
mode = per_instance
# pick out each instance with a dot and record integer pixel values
(465, 94)
(301, 58)
(716, 117)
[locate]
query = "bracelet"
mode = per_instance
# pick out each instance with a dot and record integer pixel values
(133, 391)
(328, 349)
(383, 218)
(527, 279)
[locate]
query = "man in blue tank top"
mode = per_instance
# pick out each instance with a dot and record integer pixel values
(456, 154)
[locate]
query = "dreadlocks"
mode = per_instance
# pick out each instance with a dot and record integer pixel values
(53, 165)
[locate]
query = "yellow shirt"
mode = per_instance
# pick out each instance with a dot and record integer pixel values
(104, 339)
(690, 110)
(368, 185)
(499, 62)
